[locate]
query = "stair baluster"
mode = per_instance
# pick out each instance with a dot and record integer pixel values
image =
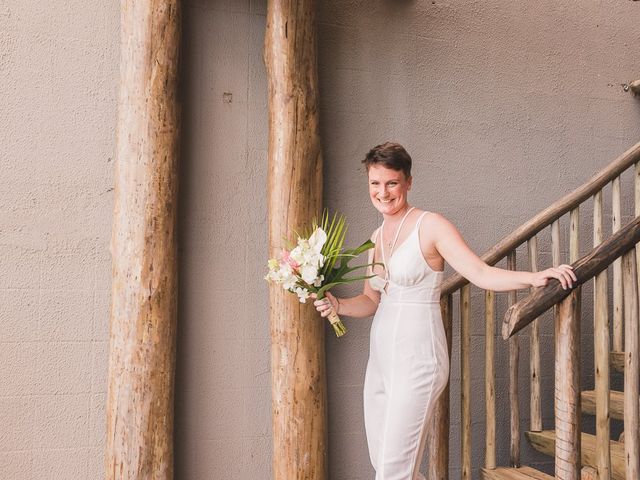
(631, 371)
(601, 352)
(534, 356)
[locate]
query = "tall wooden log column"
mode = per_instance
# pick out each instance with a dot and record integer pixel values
(295, 196)
(139, 441)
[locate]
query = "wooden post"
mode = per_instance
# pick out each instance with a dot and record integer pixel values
(555, 252)
(601, 347)
(439, 431)
(574, 234)
(139, 439)
(465, 380)
(618, 325)
(636, 210)
(534, 359)
(490, 379)
(299, 416)
(631, 367)
(514, 362)
(567, 389)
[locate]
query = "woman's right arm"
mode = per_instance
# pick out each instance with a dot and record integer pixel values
(360, 306)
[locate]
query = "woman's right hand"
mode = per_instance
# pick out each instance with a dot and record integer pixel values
(325, 306)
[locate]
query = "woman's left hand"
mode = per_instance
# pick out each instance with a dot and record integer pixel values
(563, 273)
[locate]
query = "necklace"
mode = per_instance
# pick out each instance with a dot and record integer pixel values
(392, 244)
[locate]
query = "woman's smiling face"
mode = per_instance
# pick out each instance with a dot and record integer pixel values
(388, 189)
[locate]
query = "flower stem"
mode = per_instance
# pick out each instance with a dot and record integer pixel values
(336, 323)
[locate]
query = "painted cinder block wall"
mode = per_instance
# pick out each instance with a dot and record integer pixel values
(504, 106)
(58, 84)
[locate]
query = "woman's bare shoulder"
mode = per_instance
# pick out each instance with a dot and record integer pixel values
(434, 218)
(435, 222)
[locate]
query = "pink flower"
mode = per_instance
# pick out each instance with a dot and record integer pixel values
(286, 256)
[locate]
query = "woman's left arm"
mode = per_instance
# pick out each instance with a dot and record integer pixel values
(456, 253)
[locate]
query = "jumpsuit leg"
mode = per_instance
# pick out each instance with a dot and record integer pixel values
(400, 396)
(375, 406)
(409, 407)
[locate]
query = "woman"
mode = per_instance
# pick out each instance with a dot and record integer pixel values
(408, 360)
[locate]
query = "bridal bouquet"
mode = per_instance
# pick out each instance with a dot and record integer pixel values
(317, 263)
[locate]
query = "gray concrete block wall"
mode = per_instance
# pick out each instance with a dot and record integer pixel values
(504, 107)
(59, 74)
(223, 394)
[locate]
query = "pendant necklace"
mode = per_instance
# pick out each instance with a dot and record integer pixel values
(392, 244)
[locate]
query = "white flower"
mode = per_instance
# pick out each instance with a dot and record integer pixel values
(309, 273)
(318, 282)
(298, 254)
(317, 240)
(289, 282)
(302, 293)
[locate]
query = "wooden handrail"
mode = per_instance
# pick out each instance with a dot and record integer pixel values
(529, 308)
(550, 214)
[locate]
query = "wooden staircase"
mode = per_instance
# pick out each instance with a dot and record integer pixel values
(545, 442)
(522, 473)
(616, 403)
(577, 454)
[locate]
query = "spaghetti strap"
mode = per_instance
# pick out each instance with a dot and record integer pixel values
(420, 219)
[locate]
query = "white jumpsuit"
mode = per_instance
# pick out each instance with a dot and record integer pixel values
(408, 363)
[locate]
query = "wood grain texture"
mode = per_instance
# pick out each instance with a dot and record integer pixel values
(631, 366)
(544, 442)
(439, 432)
(574, 234)
(636, 210)
(555, 252)
(590, 473)
(490, 379)
(299, 406)
(465, 380)
(601, 350)
(529, 308)
(535, 403)
(507, 473)
(616, 403)
(514, 363)
(567, 389)
(616, 361)
(550, 214)
(142, 343)
(616, 224)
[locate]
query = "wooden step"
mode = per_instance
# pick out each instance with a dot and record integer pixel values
(616, 403)
(545, 442)
(506, 473)
(616, 360)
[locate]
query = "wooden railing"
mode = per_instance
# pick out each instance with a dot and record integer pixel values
(568, 309)
(567, 350)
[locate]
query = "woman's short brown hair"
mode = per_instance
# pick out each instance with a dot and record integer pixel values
(391, 155)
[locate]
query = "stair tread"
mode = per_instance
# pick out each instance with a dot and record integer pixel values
(509, 473)
(616, 403)
(616, 360)
(545, 441)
